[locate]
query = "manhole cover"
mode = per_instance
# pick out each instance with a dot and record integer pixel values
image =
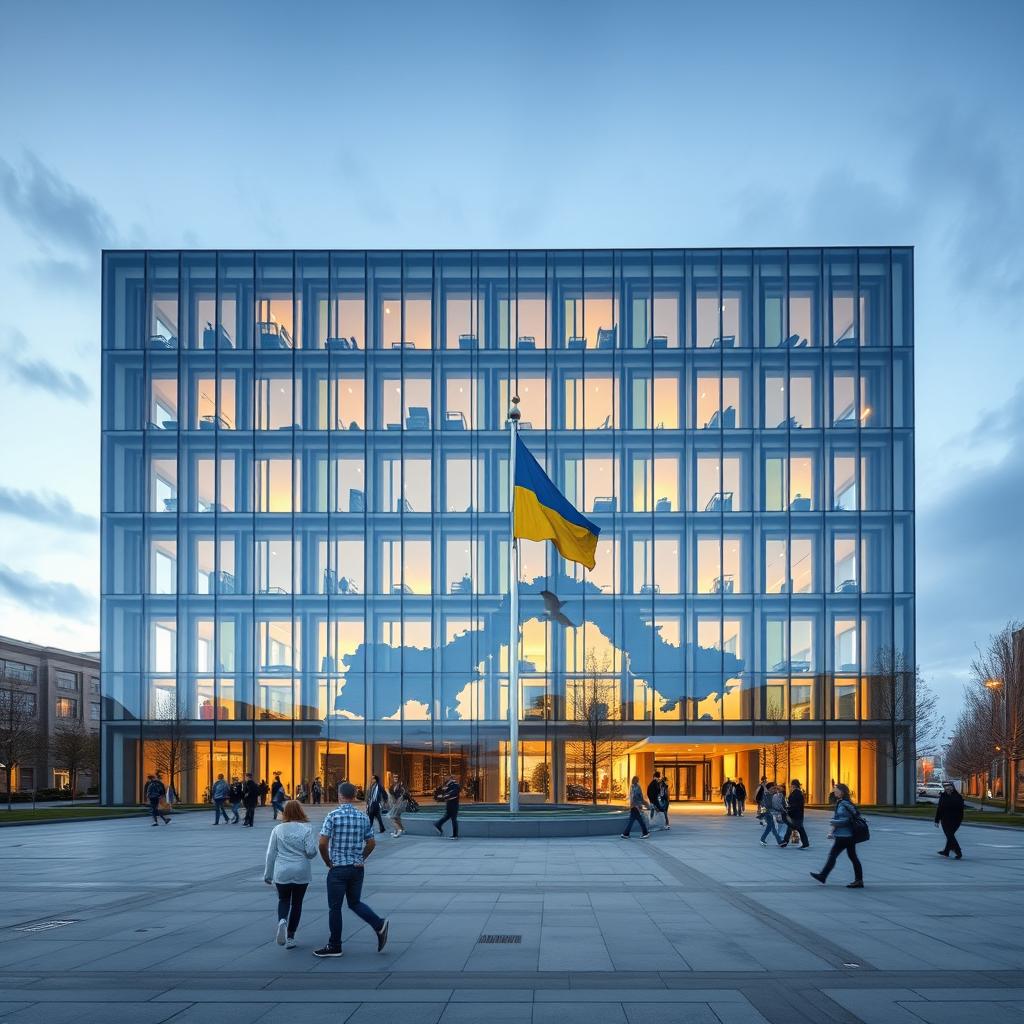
(503, 939)
(44, 926)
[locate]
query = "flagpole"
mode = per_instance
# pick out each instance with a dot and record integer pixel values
(513, 619)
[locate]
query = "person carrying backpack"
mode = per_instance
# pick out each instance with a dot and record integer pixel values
(221, 792)
(728, 790)
(739, 793)
(235, 798)
(846, 820)
(774, 812)
(155, 793)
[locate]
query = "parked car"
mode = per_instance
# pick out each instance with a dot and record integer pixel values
(930, 789)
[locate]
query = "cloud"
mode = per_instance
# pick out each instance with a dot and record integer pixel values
(52, 210)
(41, 373)
(47, 508)
(49, 596)
(970, 546)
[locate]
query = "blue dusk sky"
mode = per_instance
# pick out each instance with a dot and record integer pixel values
(332, 124)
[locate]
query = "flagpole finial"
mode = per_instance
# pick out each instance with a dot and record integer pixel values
(514, 413)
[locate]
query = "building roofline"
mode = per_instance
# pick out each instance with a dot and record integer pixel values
(80, 655)
(525, 249)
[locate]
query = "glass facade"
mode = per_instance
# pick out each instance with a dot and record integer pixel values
(305, 517)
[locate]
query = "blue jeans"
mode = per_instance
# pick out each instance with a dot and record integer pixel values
(218, 810)
(769, 826)
(234, 811)
(345, 882)
(278, 807)
(635, 817)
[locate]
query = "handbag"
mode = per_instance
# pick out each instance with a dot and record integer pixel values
(859, 829)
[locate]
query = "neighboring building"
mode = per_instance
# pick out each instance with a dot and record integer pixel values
(63, 687)
(305, 519)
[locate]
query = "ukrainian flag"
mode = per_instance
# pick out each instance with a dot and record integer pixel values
(543, 513)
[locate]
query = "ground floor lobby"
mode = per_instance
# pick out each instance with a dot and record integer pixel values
(559, 768)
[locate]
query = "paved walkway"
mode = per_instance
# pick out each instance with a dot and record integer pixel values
(698, 924)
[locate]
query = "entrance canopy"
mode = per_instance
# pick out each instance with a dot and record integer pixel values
(701, 746)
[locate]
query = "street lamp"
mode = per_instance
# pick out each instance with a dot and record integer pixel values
(994, 685)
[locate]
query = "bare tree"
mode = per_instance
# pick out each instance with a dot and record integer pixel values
(594, 704)
(901, 698)
(774, 755)
(21, 737)
(75, 748)
(172, 749)
(996, 695)
(969, 750)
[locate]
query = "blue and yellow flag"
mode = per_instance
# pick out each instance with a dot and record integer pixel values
(543, 513)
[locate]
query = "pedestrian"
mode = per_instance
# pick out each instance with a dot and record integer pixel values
(221, 793)
(636, 810)
(292, 846)
(235, 798)
(346, 840)
(739, 793)
(759, 796)
(950, 815)
(317, 790)
(663, 800)
(654, 791)
(155, 793)
(399, 802)
(376, 802)
(300, 792)
(842, 837)
(277, 795)
(774, 812)
(795, 815)
(727, 795)
(449, 793)
(172, 796)
(263, 789)
(250, 797)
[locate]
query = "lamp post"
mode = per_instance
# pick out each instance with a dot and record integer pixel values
(997, 685)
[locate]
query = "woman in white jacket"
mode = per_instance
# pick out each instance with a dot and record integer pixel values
(291, 848)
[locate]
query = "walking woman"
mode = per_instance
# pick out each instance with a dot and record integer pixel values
(663, 800)
(399, 802)
(842, 837)
(637, 803)
(774, 811)
(291, 848)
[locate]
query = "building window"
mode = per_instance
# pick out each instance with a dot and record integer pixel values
(67, 707)
(26, 778)
(94, 685)
(18, 671)
(67, 681)
(94, 712)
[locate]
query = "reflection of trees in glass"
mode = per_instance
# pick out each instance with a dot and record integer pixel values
(594, 706)
(540, 779)
(646, 653)
(172, 749)
(775, 756)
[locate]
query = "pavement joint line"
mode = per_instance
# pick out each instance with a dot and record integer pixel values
(810, 941)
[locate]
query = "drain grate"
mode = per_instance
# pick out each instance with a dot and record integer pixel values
(44, 926)
(501, 939)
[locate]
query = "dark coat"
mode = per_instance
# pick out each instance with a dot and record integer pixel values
(950, 810)
(796, 805)
(654, 790)
(740, 792)
(250, 793)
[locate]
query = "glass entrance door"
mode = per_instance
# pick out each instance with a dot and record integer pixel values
(685, 779)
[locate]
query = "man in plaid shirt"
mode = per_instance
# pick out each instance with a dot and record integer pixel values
(346, 840)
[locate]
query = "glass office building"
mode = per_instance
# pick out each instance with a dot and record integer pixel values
(305, 518)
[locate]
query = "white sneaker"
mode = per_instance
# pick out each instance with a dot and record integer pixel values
(282, 931)
(289, 943)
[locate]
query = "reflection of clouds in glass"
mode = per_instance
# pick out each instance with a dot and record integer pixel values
(412, 711)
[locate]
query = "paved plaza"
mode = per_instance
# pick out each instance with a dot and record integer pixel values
(698, 924)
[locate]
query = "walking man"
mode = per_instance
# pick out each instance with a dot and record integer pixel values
(795, 816)
(235, 798)
(376, 801)
(155, 792)
(950, 815)
(399, 802)
(220, 794)
(663, 800)
(636, 809)
(759, 796)
(739, 793)
(263, 789)
(774, 811)
(727, 795)
(317, 790)
(277, 795)
(450, 795)
(346, 840)
(250, 797)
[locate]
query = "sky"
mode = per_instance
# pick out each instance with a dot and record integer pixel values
(570, 124)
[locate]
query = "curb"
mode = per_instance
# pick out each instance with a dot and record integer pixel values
(969, 824)
(76, 821)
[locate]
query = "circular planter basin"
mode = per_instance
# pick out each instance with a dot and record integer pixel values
(494, 821)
